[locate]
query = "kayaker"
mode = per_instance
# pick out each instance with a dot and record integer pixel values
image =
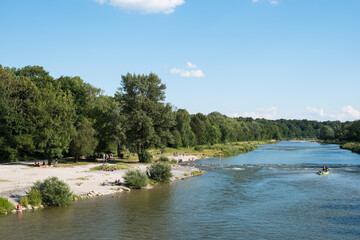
(325, 168)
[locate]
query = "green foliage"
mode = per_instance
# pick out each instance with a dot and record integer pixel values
(145, 157)
(164, 159)
(353, 146)
(43, 117)
(83, 141)
(35, 197)
(183, 119)
(160, 172)
(148, 120)
(199, 148)
(24, 201)
(326, 133)
(5, 206)
(135, 179)
(54, 192)
(177, 139)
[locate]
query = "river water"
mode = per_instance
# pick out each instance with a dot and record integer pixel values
(270, 193)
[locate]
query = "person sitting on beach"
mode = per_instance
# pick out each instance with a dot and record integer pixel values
(325, 169)
(43, 164)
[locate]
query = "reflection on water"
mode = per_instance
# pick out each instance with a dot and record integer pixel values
(270, 193)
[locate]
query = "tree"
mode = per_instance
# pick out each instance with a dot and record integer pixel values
(326, 133)
(84, 95)
(183, 119)
(84, 141)
(36, 74)
(17, 126)
(148, 120)
(55, 117)
(177, 139)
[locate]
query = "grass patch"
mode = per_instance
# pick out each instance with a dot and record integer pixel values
(82, 178)
(226, 150)
(104, 167)
(4, 180)
(78, 184)
(75, 197)
(352, 146)
(24, 201)
(194, 173)
(5, 206)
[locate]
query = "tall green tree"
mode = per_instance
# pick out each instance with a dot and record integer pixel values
(148, 119)
(55, 117)
(17, 126)
(83, 140)
(183, 119)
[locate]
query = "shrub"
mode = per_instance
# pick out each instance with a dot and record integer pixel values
(24, 201)
(164, 159)
(34, 197)
(135, 179)
(145, 157)
(5, 205)
(54, 192)
(160, 172)
(199, 148)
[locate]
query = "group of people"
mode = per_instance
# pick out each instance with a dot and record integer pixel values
(43, 164)
(110, 169)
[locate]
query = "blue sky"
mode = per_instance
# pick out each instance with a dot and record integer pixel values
(290, 59)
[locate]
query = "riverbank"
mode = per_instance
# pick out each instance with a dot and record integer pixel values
(352, 146)
(17, 178)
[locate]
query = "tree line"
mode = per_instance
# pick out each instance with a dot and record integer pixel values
(46, 117)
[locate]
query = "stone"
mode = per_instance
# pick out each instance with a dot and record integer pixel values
(35, 207)
(125, 189)
(29, 207)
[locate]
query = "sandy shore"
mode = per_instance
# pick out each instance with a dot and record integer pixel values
(16, 179)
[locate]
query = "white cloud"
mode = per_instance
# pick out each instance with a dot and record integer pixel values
(347, 113)
(195, 72)
(190, 65)
(254, 1)
(145, 6)
(186, 73)
(351, 111)
(267, 113)
(319, 111)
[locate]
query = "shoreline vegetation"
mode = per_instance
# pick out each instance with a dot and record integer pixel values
(65, 118)
(89, 179)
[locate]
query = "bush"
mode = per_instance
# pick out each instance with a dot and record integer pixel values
(135, 179)
(34, 197)
(160, 172)
(5, 205)
(164, 159)
(145, 157)
(24, 201)
(199, 148)
(54, 192)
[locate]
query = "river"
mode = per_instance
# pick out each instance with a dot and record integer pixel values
(270, 193)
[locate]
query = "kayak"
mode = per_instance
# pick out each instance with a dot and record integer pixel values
(323, 173)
